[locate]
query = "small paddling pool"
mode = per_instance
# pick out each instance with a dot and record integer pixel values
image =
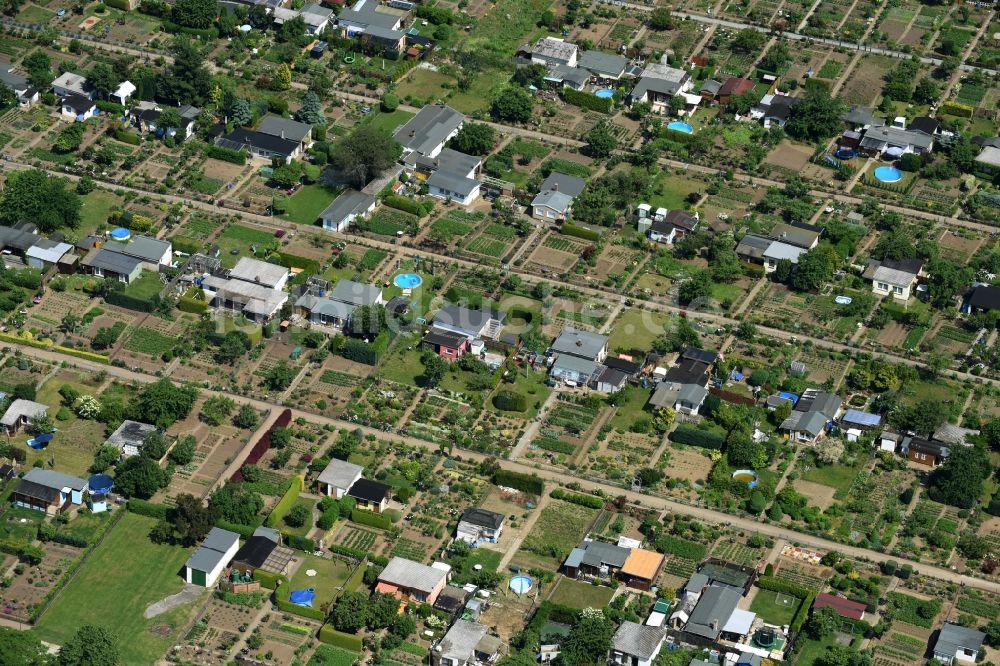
(681, 126)
(604, 93)
(888, 174)
(408, 280)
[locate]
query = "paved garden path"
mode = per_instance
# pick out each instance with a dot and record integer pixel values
(187, 595)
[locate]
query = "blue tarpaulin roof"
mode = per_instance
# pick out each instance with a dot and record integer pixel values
(861, 418)
(736, 376)
(303, 597)
(789, 396)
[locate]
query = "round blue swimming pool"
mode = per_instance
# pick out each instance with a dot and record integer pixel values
(408, 280)
(681, 126)
(604, 93)
(121, 234)
(521, 584)
(888, 174)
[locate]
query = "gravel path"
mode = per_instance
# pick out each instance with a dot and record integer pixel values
(188, 594)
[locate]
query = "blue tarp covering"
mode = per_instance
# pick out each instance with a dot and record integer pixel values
(736, 376)
(789, 396)
(303, 597)
(855, 416)
(101, 484)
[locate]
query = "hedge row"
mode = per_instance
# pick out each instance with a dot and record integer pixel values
(404, 204)
(294, 261)
(784, 586)
(370, 518)
(187, 304)
(589, 501)
(118, 4)
(83, 353)
(245, 531)
(124, 300)
(957, 109)
(666, 543)
(189, 245)
(331, 636)
(688, 434)
(208, 34)
(269, 580)
(302, 543)
(570, 229)
(147, 508)
(225, 154)
(109, 107)
(528, 483)
(803, 612)
(358, 554)
(586, 100)
(286, 502)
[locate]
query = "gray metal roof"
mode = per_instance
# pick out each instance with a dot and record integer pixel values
(599, 553)
(351, 202)
(53, 479)
(637, 640)
(256, 271)
(753, 247)
(18, 238)
(109, 260)
(814, 400)
(809, 422)
(602, 63)
(557, 201)
(430, 128)
(355, 293)
(557, 49)
(142, 247)
(712, 612)
(340, 474)
(665, 394)
(212, 550)
(131, 433)
(574, 558)
(48, 251)
(879, 137)
(778, 250)
(858, 417)
(411, 575)
(575, 364)
(456, 316)
(580, 343)
(954, 637)
(953, 434)
(284, 128)
(381, 32)
(325, 306)
(561, 182)
(452, 182)
(364, 13)
(989, 156)
(692, 394)
(793, 235)
(461, 640)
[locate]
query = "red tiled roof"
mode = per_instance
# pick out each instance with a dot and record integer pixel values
(736, 86)
(844, 607)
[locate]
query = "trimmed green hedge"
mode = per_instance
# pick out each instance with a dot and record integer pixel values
(586, 100)
(404, 204)
(189, 304)
(118, 4)
(109, 107)
(666, 543)
(803, 612)
(331, 636)
(269, 580)
(286, 502)
(688, 434)
(510, 401)
(784, 586)
(528, 483)
(125, 136)
(570, 229)
(146, 508)
(310, 266)
(358, 554)
(302, 543)
(225, 154)
(125, 300)
(370, 518)
(589, 501)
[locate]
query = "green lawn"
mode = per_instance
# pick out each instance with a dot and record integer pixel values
(673, 192)
(836, 476)
(328, 655)
(577, 594)
(811, 650)
(123, 576)
(240, 239)
(146, 286)
(531, 384)
(33, 14)
(330, 576)
(724, 292)
(95, 209)
(636, 329)
(558, 530)
(479, 94)
(404, 364)
(463, 569)
(766, 605)
(424, 84)
(632, 409)
(305, 205)
(304, 529)
(390, 121)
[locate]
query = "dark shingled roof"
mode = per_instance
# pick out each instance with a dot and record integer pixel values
(482, 517)
(985, 297)
(370, 491)
(255, 551)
